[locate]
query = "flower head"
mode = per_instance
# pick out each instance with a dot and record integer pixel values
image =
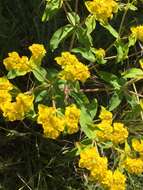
(38, 51)
(17, 63)
(133, 165)
(5, 84)
(119, 134)
(137, 32)
(105, 115)
(114, 180)
(102, 9)
(52, 123)
(72, 68)
(137, 145)
(72, 115)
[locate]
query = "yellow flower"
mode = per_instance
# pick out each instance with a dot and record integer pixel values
(15, 62)
(104, 131)
(102, 9)
(137, 145)
(99, 169)
(12, 111)
(87, 157)
(17, 110)
(72, 68)
(38, 51)
(90, 159)
(5, 84)
(105, 115)
(4, 97)
(133, 165)
(100, 53)
(119, 134)
(25, 100)
(137, 32)
(52, 123)
(114, 180)
(66, 59)
(72, 115)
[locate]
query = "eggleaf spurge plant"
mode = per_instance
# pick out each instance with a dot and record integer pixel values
(109, 149)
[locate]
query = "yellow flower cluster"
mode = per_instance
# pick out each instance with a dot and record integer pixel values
(114, 180)
(107, 131)
(137, 32)
(5, 87)
(53, 123)
(100, 53)
(72, 68)
(138, 146)
(23, 64)
(102, 9)
(72, 115)
(133, 165)
(17, 110)
(98, 166)
(15, 62)
(38, 52)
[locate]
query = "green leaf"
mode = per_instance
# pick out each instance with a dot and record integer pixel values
(131, 7)
(90, 23)
(83, 37)
(122, 51)
(133, 73)
(132, 40)
(111, 78)
(52, 6)
(14, 73)
(85, 122)
(92, 108)
(41, 95)
(73, 18)
(86, 53)
(61, 34)
(40, 73)
(115, 100)
(110, 29)
(80, 98)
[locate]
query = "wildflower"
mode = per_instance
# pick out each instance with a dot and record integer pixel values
(5, 96)
(5, 84)
(102, 9)
(137, 145)
(104, 131)
(38, 52)
(17, 63)
(72, 115)
(52, 123)
(137, 32)
(100, 53)
(88, 157)
(12, 111)
(72, 68)
(105, 115)
(99, 169)
(25, 100)
(114, 180)
(66, 59)
(17, 110)
(119, 134)
(133, 165)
